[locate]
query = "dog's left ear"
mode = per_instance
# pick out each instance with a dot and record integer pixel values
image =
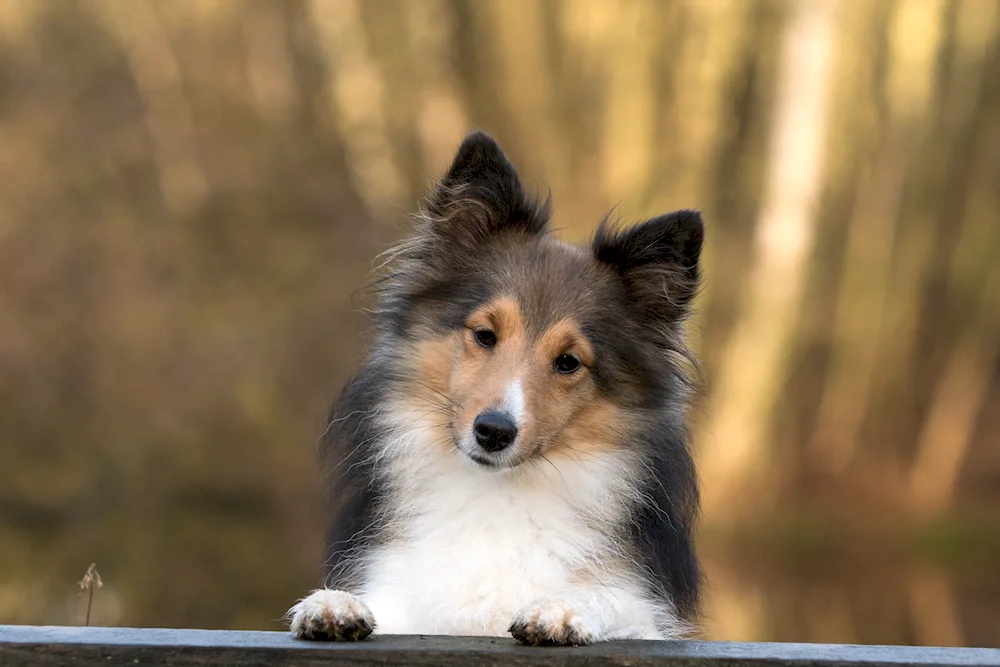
(481, 195)
(657, 259)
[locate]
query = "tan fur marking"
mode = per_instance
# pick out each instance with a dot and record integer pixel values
(502, 316)
(435, 359)
(564, 337)
(592, 430)
(432, 393)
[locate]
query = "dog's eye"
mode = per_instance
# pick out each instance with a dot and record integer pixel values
(566, 364)
(485, 338)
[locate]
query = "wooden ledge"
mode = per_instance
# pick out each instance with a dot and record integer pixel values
(48, 645)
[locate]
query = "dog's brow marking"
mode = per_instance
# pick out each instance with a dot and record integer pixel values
(514, 400)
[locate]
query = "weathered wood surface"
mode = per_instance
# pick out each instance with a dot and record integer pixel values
(29, 645)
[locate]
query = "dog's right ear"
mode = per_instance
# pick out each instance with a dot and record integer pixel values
(481, 196)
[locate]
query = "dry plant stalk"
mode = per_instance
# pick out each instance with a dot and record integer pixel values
(90, 582)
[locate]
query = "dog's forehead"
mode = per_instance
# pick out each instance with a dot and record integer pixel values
(552, 280)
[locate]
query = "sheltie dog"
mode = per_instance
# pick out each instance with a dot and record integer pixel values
(512, 458)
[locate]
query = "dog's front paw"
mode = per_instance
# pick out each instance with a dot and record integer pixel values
(331, 615)
(551, 623)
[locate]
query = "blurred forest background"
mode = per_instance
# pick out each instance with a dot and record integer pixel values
(192, 191)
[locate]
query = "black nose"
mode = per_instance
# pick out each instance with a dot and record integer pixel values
(494, 431)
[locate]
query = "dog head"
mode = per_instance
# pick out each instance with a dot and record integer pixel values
(521, 346)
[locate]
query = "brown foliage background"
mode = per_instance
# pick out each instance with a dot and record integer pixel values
(191, 192)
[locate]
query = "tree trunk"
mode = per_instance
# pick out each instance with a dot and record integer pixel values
(737, 453)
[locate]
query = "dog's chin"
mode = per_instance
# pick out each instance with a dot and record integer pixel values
(486, 462)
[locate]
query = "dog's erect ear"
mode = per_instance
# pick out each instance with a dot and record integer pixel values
(657, 259)
(481, 195)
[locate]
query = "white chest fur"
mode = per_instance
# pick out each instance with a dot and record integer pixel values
(469, 549)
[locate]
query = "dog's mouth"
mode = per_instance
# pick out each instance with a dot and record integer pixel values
(484, 461)
(499, 461)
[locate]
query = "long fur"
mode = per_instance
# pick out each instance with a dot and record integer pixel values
(588, 538)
